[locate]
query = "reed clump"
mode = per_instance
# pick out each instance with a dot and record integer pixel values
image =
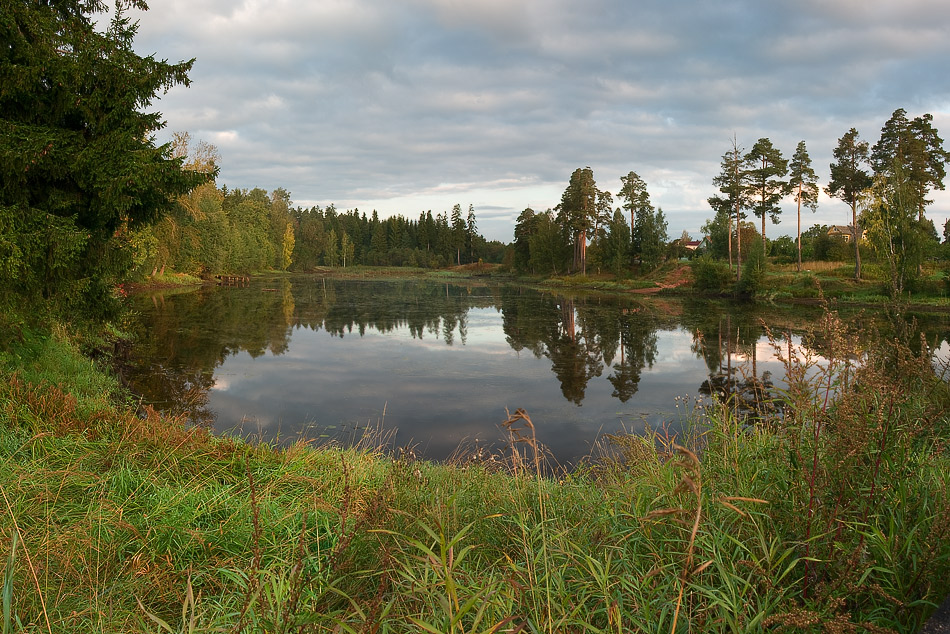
(829, 514)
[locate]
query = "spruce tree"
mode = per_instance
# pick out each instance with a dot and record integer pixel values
(79, 167)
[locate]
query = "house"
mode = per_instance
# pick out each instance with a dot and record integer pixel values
(692, 245)
(844, 231)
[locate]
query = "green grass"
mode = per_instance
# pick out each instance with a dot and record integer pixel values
(833, 518)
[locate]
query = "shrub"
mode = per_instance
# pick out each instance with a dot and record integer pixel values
(710, 274)
(753, 269)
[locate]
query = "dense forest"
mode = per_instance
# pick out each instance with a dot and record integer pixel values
(215, 229)
(585, 231)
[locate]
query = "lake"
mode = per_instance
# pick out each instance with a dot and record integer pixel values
(437, 366)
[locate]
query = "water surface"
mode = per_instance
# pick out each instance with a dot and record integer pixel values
(435, 366)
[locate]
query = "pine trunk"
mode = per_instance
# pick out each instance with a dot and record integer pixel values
(857, 242)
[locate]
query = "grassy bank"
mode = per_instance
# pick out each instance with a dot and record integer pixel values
(832, 517)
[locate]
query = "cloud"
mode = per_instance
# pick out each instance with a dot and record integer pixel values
(368, 101)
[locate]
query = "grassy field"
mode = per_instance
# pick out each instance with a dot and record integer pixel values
(833, 516)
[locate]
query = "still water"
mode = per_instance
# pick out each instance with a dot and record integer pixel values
(438, 366)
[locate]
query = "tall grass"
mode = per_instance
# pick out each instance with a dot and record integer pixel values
(830, 515)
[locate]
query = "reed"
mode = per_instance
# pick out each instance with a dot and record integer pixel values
(830, 514)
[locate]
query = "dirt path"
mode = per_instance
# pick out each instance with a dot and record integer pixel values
(680, 276)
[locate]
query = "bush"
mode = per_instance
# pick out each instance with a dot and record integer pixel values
(753, 269)
(710, 274)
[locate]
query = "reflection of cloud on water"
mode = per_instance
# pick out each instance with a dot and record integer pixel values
(437, 395)
(941, 358)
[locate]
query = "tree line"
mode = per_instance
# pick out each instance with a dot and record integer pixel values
(89, 200)
(326, 237)
(214, 229)
(885, 185)
(586, 226)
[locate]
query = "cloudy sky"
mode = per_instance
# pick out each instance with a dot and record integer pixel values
(408, 105)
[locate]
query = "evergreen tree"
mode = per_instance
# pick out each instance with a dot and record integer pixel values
(803, 183)
(732, 181)
(915, 148)
(637, 202)
(471, 233)
(346, 249)
(894, 228)
(458, 233)
(766, 187)
(78, 167)
(550, 244)
(653, 240)
(525, 228)
(331, 254)
(848, 182)
(616, 244)
(577, 213)
(603, 215)
(908, 161)
(379, 245)
(717, 232)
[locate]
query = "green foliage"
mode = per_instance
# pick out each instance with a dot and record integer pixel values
(753, 269)
(803, 186)
(766, 186)
(578, 214)
(895, 231)
(549, 245)
(331, 255)
(653, 239)
(784, 248)
(908, 162)
(616, 245)
(717, 232)
(849, 180)
(915, 149)
(637, 203)
(711, 274)
(78, 168)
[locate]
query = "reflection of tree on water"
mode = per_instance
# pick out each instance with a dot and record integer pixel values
(574, 359)
(192, 333)
(580, 336)
(637, 350)
(737, 384)
(421, 308)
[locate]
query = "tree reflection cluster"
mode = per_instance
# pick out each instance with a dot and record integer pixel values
(582, 337)
(184, 337)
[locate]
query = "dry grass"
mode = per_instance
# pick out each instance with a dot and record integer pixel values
(832, 516)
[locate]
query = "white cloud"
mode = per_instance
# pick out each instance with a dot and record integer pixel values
(409, 105)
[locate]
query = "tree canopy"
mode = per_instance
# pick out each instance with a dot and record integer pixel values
(848, 181)
(766, 167)
(803, 185)
(79, 166)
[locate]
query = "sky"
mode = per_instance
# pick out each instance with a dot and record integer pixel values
(405, 106)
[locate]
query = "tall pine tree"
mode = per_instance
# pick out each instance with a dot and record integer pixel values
(848, 182)
(766, 187)
(803, 184)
